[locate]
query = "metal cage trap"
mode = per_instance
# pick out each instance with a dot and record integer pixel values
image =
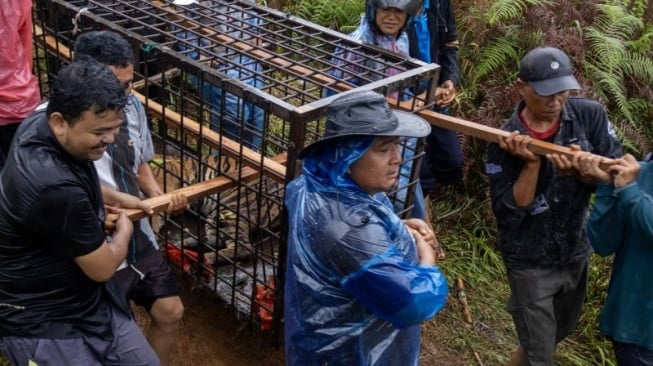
(233, 91)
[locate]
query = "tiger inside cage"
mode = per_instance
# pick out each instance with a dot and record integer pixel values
(228, 240)
(236, 226)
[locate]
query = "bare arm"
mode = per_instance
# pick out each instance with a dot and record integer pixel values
(115, 198)
(151, 188)
(101, 264)
(146, 181)
(526, 184)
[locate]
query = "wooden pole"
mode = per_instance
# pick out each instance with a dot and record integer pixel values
(202, 189)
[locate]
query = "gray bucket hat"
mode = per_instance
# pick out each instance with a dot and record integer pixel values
(367, 113)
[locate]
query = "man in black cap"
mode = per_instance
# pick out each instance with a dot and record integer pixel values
(541, 204)
(359, 281)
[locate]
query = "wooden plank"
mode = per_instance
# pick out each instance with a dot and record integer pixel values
(202, 189)
(491, 134)
(481, 131)
(272, 169)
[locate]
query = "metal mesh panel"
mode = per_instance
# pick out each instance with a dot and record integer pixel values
(233, 91)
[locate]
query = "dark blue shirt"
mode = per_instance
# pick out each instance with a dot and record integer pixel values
(550, 231)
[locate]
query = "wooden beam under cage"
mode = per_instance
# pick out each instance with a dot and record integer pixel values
(202, 189)
(271, 168)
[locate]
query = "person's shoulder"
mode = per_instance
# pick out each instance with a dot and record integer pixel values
(512, 123)
(583, 103)
(134, 105)
(363, 32)
(584, 110)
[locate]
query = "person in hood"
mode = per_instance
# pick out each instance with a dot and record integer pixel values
(384, 25)
(433, 38)
(359, 280)
(621, 224)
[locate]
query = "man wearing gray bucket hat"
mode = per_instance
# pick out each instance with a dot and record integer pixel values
(359, 280)
(541, 203)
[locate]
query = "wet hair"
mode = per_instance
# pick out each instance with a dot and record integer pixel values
(85, 85)
(106, 47)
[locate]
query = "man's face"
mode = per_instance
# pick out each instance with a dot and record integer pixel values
(390, 20)
(88, 138)
(543, 108)
(125, 75)
(378, 170)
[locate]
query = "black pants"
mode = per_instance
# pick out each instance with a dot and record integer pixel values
(443, 159)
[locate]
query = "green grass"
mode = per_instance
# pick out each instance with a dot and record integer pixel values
(465, 226)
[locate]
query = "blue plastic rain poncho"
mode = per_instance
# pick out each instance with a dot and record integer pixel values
(350, 60)
(355, 293)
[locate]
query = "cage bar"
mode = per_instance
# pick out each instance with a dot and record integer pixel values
(233, 91)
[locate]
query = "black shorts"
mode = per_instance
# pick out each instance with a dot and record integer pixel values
(147, 280)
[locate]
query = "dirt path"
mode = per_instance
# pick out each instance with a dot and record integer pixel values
(211, 336)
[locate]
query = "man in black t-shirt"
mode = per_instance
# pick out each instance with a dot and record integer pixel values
(57, 303)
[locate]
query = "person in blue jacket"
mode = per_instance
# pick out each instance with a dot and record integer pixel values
(433, 38)
(359, 280)
(384, 25)
(235, 118)
(621, 223)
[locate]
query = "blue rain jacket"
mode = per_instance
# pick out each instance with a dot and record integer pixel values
(354, 292)
(622, 224)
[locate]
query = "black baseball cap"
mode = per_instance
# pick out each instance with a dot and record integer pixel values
(367, 113)
(548, 71)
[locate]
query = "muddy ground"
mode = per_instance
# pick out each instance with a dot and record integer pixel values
(210, 335)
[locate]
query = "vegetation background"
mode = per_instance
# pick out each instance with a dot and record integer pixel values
(611, 46)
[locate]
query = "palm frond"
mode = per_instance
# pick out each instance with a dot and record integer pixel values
(504, 11)
(499, 54)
